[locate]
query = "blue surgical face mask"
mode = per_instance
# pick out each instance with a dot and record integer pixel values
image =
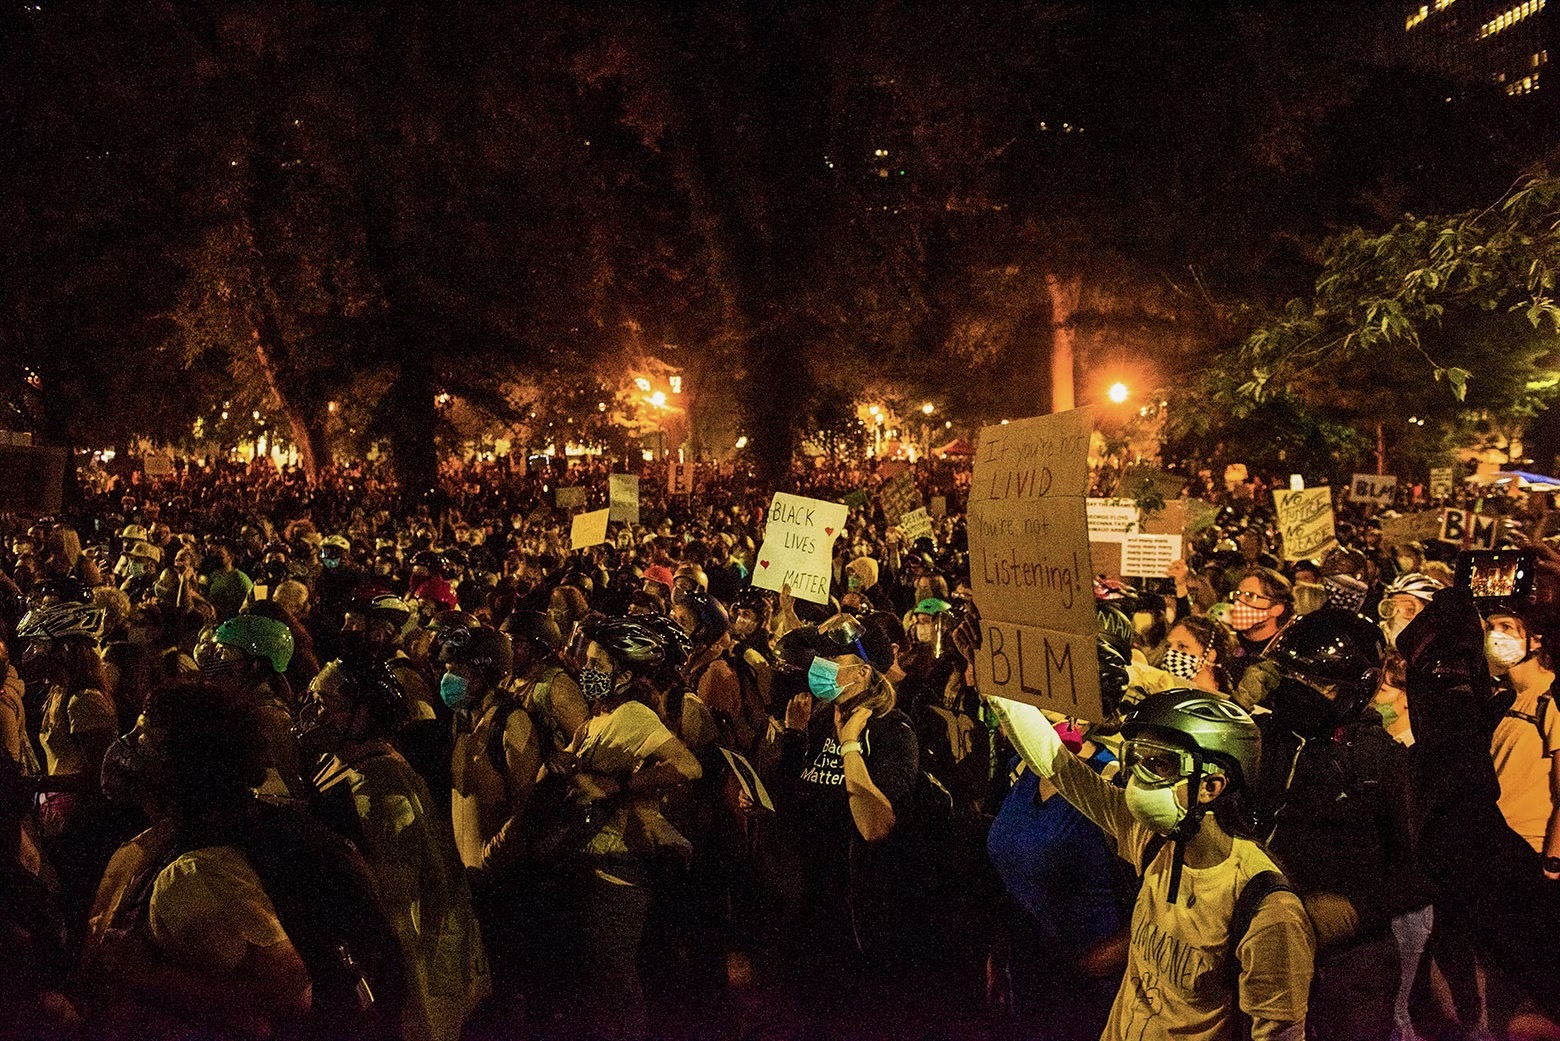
(331, 562)
(823, 679)
(454, 690)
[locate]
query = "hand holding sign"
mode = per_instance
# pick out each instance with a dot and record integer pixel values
(798, 548)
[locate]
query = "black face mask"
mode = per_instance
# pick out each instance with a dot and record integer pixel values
(1305, 710)
(130, 773)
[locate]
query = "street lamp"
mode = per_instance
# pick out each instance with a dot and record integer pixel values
(1117, 393)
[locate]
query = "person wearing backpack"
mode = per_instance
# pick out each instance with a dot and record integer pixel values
(541, 685)
(497, 755)
(1527, 738)
(373, 797)
(196, 944)
(1216, 937)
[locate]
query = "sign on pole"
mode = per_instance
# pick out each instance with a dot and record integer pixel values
(1029, 559)
(623, 497)
(1148, 556)
(570, 498)
(679, 478)
(1440, 482)
(916, 524)
(798, 549)
(1305, 520)
(588, 529)
(1374, 488)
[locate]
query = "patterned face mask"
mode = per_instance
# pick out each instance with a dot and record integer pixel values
(1182, 665)
(595, 684)
(1244, 616)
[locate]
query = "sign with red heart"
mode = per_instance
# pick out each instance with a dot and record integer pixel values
(798, 549)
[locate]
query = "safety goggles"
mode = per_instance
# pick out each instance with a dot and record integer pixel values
(1155, 764)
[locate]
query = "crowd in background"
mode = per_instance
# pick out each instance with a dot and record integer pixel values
(286, 760)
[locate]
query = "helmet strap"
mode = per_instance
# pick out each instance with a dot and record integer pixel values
(1185, 831)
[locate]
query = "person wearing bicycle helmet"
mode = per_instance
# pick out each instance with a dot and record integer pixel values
(250, 653)
(623, 761)
(1188, 756)
(372, 796)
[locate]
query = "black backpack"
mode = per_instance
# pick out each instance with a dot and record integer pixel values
(327, 901)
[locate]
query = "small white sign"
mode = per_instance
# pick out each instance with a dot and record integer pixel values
(798, 549)
(916, 524)
(1148, 556)
(623, 497)
(1111, 520)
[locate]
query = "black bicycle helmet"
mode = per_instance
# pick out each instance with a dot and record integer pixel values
(640, 644)
(1331, 647)
(486, 650)
(535, 628)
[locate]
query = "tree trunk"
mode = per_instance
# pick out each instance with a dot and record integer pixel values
(413, 416)
(1064, 294)
(270, 354)
(1381, 448)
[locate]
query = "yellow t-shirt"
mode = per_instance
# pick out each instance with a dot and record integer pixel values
(208, 908)
(1176, 984)
(482, 798)
(65, 717)
(1523, 761)
(616, 744)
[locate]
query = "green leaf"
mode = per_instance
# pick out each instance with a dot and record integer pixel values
(1458, 378)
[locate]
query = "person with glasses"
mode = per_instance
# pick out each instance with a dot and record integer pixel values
(1216, 935)
(1260, 605)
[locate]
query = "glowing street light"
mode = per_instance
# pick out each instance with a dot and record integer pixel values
(658, 399)
(928, 408)
(1117, 393)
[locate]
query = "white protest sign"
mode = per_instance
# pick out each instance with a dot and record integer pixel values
(1469, 530)
(1305, 520)
(916, 524)
(570, 498)
(1029, 564)
(623, 497)
(1148, 556)
(1296, 483)
(1377, 488)
(798, 549)
(679, 479)
(1110, 520)
(1440, 482)
(588, 529)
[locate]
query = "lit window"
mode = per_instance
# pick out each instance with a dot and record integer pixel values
(1509, 18)
(1417, 17)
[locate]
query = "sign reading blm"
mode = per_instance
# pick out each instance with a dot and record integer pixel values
(798, 549)
(1377, 488)
(1029, 564)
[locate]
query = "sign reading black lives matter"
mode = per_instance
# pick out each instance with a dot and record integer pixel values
(1029, 564)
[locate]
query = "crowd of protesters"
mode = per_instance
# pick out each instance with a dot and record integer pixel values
(282, 760)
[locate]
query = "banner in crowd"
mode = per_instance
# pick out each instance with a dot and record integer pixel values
(899, 496)
(916, 524)
(589, 529)
(1379, 489)
(32, 479)
(570, 498)
(1148, 556)
(157, 464)
(798, 549)
(1305, 522)
(1029, 563)
(623, 497)
(1411, 527)
(1440, 482)
(679, 478)
(1468, 530)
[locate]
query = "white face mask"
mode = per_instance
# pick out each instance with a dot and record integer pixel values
(1157, 809)
(1182, 665)
(1503, 650)
(1391, 630)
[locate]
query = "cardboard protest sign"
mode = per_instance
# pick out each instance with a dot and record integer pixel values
(939, 506)
(899, 496)
(570, 498)
(916, 524)
(623, 497)
(589, 529)
(1440, 482)
(1375, 488)
(679, 478)
(798, 548)
(1148, 556)
(1029, 555)
(1111, 519)
(1411, 527)
(157, 464)
(1468, 530)
(32, 479)
(1305, 521)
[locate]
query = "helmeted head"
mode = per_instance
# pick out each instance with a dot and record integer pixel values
(1402, 601)
(475, 661)
(622, 651)
(1330, 664)
(246, 643)
(351, 699)
(1185, 750)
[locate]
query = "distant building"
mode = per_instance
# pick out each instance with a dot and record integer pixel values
(1505, 43)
